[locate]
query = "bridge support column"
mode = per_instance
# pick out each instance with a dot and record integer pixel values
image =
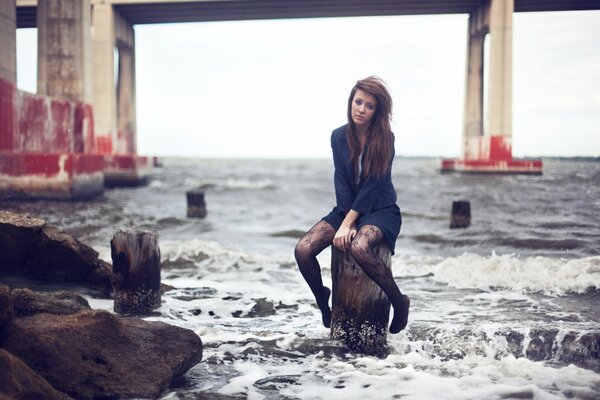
(473, 117)
(114, 99)
(8, 74)
(45, 139)
(64, 49)
(8, 40)
(105, 96)
(488, 148)
(126, 117)
(500, 79)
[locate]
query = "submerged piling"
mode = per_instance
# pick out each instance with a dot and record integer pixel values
(196, 206)
(360, 309)
(136, 271)
(461, 214)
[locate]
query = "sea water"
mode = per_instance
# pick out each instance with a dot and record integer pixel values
(504, 309)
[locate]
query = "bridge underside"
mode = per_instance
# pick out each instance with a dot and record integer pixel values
(154, 12)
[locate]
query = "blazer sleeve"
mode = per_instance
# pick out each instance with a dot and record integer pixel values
(344, 193)
(371, 188)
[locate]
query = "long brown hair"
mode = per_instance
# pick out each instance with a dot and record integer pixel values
(379, 133)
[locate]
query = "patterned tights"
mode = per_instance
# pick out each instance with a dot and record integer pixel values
(362, 248)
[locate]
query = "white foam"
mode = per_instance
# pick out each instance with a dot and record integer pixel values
(532, 274)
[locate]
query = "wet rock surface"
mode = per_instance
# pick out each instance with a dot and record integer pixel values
(54, 346)
(6, 311)
(94, 354)
(27, 302)
(18, 381)
(30, 248)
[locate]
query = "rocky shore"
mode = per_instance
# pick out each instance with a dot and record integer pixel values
(54, 346)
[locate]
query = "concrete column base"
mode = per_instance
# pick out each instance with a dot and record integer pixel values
(62, 176)
(126, 170)
(491, 154)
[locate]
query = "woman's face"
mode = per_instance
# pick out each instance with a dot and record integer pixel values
(363, 108)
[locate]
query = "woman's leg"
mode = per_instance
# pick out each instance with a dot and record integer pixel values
(363, 251)
(315, 241)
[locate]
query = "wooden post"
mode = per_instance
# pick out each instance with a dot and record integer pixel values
(196, 207)
(461, 214)
(136, 271)
(360, 309)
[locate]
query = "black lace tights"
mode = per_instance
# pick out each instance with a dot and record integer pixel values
(362, 248)
(315, 241)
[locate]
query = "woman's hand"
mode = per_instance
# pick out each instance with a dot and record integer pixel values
(343, 237)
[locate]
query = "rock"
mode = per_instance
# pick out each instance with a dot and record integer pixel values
(30, 248)
(262, 308)
(581, 350)
(6, 311)
(93, 354)
(27, 302)
(18, 381)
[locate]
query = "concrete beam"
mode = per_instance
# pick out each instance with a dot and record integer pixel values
(8, 40)
(165, 11)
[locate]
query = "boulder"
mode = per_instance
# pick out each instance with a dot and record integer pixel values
(6, 311)
(93, 354)
(30, 248)
(27, 302)
(18, 381)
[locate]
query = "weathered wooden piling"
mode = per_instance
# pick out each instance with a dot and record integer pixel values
(196, 206)
(136, 271)
(360, 309)
(461, 214)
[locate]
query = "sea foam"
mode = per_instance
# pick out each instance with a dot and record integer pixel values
(552, 276)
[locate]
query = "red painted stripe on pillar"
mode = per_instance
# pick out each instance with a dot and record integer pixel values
(61, 126)
(8, 115)
(500, 148)
(33, 122)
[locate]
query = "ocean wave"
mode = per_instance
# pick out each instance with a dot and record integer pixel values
(237, 184)
(533, 274)
(198, 250)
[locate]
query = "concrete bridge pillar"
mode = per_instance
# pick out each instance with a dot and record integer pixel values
(473, 117)
(8, 74)
(8, 40)
(114, 95)
(105, 96)
(487, 147)
(126, 116)
(114, 98)
(500, 79)
(64, 49)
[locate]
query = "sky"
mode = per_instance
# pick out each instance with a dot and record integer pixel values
(277, 88)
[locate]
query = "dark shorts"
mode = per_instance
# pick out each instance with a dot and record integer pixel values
(388, 220)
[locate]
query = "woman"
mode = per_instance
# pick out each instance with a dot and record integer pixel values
(366, 212)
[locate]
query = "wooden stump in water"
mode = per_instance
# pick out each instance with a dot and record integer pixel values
(461, 214)
(136, 271)
(196, 206)
(360, 309)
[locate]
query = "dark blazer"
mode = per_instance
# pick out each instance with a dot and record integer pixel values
(372, 193)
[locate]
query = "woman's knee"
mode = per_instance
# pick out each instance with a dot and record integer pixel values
(358, 250)
(302, 251)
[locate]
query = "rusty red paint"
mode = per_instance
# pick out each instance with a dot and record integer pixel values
(83, 130)
(8, 115)
(33, 122)
(50, 164)
(88, 163)
(500, 148)
(104, 144)
(62, 126)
